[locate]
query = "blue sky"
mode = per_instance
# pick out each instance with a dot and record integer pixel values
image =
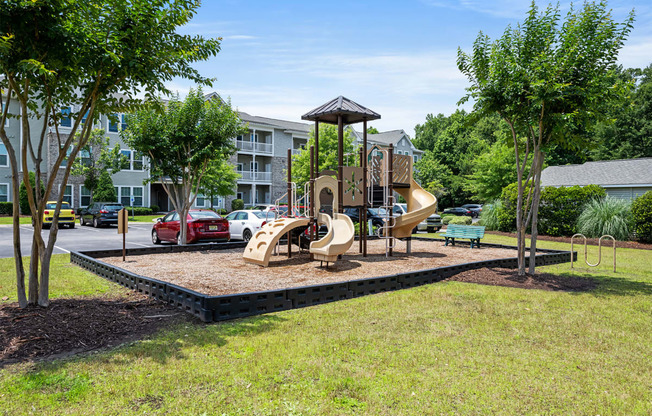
(281, 59)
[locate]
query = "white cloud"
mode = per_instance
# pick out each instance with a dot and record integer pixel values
(511, 9)
(240, 37)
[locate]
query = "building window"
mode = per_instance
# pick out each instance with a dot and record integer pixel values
(67, 194)
(85, 116)
(1, 110)
(136, 159)
(4, 156)
(253, 137)
(218, 202)
(85, 155)
(117, 122)
(131, 193)
(4, 192)
(238, 195)
(64, 162)
(200, 201)
(66, 120)
(85, 196)
(254, 166)
(416, 158)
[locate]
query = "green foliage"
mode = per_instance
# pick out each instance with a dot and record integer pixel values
(372, 130)
(22, 192)
(460, 220)
(327, 153)
(221, 211)
(220, 179)
(642, 217)
(494, 217)
(237, 204)
(492, 171)
(446, 219)
(105, 192)
(140, 210)
(607, 216)
(558, 212)
(96, 158)
(6, 208)
(155, 208)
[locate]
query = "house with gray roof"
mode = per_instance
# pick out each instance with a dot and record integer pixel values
(399, 138)
(625, 179)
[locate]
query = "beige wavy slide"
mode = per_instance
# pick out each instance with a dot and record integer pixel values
(260, 247)
(338, 239)
(420, 204)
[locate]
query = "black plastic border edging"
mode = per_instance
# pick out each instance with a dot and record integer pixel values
(225, 307)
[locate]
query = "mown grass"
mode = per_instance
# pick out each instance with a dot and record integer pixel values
(66, 280)
(9, 220)
(452, 348)
(26, 220)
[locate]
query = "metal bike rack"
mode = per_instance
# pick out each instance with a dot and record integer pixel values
(599, 250)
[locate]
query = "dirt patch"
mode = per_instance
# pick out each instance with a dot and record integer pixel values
(578, 242)
(70, 326)
(510, 278)
(220, 273)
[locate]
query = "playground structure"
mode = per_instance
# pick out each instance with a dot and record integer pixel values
(586, 260)
(370, 185)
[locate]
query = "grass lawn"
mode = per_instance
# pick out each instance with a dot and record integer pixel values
(9, 220)
(4, 220)
(66, 280)
(453, 348)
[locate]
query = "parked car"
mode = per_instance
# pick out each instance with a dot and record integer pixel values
(244, 224)
(66, 214)
(476, 209)
(100, 213)
(459, 211)
(432, 224)
(262, 207)
(372, 215)
(203, 225)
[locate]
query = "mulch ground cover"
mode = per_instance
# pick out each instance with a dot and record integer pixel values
(71, 326)
(510, 278)
(579, 241)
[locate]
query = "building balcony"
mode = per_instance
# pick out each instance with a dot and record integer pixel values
(254, 147)
(251, 176)
(296, 151)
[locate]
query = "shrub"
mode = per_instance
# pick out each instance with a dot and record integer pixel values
(642, 217)
(608, 216)
(221, 211)
(155, 208)
(445, 220)
(6, 208)
(559, 208)
(461, 220)
(139, 210)
(22, 194)
(105, 191)
(237, 204)
(494, 218)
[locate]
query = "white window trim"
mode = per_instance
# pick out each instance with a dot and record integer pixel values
(239, 195)
(131, 194)
(131, 161)
(6, 155)
(72, 193)
(81, 195)
(8, 192)
(108, 123)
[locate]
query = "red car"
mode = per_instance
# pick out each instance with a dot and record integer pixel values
(203, 225)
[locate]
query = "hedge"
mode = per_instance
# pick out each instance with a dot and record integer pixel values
(463, 220)
(6, 208)
(237, 204)
(642, 214)
(558, 211)
(139, 210)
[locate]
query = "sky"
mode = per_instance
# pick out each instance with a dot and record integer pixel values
(280, 59)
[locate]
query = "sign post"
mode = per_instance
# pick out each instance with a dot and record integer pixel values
(123, 228)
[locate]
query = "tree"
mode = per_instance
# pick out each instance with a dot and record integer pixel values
(220, 179)
(65, 59)
(372, 130)
(105, 192)
(96, 159)
(548, 81)
(327, 153)
(182, 140)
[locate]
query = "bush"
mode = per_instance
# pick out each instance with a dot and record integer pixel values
(155, 208)
(445, 220)
(494, 217)
(642, 217)
(221, 211)
(237, 204)
(139, 210)
(609, 216)
(558, 211)
(22, 194)
(105, 191)
(461, 220)
(6, 208)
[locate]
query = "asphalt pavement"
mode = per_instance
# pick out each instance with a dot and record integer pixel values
(78, 238)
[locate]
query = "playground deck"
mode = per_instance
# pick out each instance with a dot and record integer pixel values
(221, 273)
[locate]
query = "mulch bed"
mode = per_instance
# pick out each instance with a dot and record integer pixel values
(71, 326)
(579, 241)
(510, 278)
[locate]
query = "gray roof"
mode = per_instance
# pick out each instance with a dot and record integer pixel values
(275, 123)
(350, 111)
(634, 172)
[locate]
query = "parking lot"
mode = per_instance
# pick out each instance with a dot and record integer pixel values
(78, 238)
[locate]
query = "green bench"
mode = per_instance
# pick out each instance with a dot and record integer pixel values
(472, 232)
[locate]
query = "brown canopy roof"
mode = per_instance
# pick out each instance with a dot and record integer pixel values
(350, 111)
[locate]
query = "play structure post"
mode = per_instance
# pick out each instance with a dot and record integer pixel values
(364, 187)
(289, 200)
(390, 186)
(340, 164)
(316, 147)
(313, 223)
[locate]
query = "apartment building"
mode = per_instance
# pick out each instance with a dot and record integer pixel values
(260, 159)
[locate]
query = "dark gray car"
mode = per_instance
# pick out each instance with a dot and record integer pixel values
(100, 213)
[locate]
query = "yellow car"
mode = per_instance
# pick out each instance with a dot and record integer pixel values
(66, 215)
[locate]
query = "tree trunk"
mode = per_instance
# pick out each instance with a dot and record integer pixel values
(44, 286)
(33, 271)
(520, 226)
(537, 165)
(18, 255)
